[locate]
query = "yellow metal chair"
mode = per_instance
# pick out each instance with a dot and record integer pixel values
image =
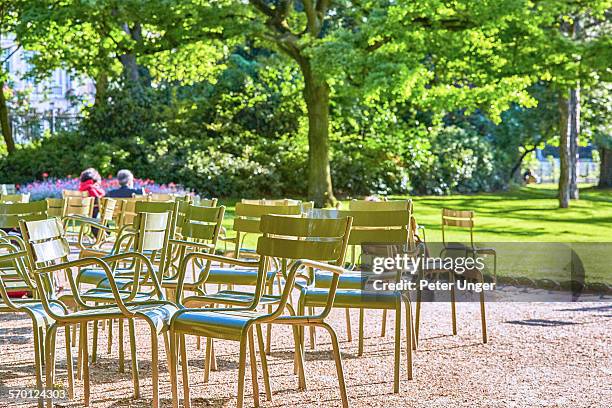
(462, 220)
(33, 308)
(101, 225)
(285, 237)
(15, 198)
(55, 207)
(48, 251)
(74, 193)
(390, 229)
(199, 231)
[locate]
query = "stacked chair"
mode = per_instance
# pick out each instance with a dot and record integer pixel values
(136, 267)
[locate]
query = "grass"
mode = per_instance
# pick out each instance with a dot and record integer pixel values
(529, 215)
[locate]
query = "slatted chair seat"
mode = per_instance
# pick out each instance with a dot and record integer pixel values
(349, 298)
(95, 276)
(349, 280)
(230, 297)
(221, 324)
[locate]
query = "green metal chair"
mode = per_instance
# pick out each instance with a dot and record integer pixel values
(391, 229)
(199, 231)
(462, 220)
(292, 238)
(48, 251)
(15, 198)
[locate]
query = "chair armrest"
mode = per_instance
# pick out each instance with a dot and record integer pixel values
(94, 222)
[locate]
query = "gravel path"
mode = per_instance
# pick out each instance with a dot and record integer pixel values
(538, 355)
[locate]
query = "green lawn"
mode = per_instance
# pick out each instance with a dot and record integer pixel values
(528, 214)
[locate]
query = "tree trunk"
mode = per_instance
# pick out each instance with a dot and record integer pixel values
(128, 60)
(517, 166)
(101, 89)
(605, 168)
(574, 132)
(316, 95)
(564, 154)
(4, 122)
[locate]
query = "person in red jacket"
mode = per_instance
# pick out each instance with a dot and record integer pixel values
(90, 182)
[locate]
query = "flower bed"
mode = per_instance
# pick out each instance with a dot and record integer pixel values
(52, 187)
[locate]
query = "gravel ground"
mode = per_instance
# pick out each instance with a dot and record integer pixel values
(538, 355)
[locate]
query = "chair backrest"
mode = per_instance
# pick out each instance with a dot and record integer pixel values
(125, 210)
(152, 231)
(107, 210)
(293, 238)
(381, 227)
(78, 206)
(55, 207)
(248, 215)
(74, 193)
(201, 223)
(204, 202)
(8, 189)
(10, 214)
(15, 198)
(45, 242)
(391, 205)
(263, 201)
(462, 219)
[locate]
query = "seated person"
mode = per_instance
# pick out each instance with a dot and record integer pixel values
(126, 189)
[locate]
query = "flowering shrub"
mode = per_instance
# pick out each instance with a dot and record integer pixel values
(52, 187)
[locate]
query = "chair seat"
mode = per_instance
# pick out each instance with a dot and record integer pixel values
(352, 298)
(158, 313)
(236, 276)
(94, 276)
(348, 280)
(229, 297)
(35, 309)
(103, 295)
(226, 324)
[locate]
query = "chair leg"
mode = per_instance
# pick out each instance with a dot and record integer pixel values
(38, 357)
(264, 363)
(453, 307)
(109, 348)
(185, 370)
(483, 318)
(338, 361)
(94, 345)
(417, 314)
(208, 359)
(155, 366)
(383, 329)
(135, 379)
(349, 335)
(410, 340)
(84, 347)
(361, 323)
(49, 361)
(396, 354)
(299, 358)
(121, 345)
(241, 372)
(253, 364)
(312, 330)
(213, 357)
(171, 352)
(69, 366)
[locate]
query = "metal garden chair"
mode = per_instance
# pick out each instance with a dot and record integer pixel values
(462, 220)
(390, 229)
(285, 237)
(48, 252)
